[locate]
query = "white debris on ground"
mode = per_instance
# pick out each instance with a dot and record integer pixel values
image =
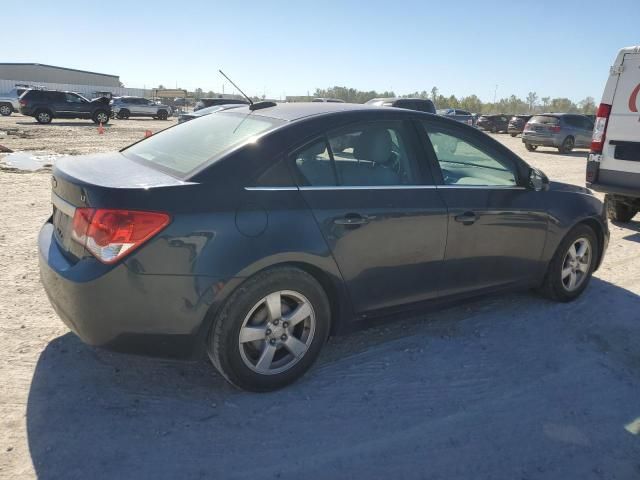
(508, 387)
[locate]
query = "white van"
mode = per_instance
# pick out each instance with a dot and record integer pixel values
(613, 166)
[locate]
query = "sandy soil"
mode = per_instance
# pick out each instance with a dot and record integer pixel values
(513, 387)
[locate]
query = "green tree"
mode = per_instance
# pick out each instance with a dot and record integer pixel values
(545, 103)
(563, 105)
(588, 106)
(198, 93)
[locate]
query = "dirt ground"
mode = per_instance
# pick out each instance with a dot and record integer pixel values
(509, 387)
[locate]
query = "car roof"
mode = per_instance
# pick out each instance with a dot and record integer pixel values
(295, 111)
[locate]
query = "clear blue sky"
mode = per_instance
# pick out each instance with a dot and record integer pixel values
(554, 47)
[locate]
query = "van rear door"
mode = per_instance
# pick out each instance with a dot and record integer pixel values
(621, 151)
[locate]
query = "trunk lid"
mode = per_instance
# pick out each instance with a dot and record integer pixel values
(101, 180)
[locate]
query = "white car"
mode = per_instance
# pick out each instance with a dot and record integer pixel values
(613, 166)
(9, 101)
(126, 107)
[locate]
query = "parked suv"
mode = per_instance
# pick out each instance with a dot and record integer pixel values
(493, 123)
(613, 166)
(517, 123)
(564, 131)
(459, 115)
(46, 105)
(125, 107)
(9, 101)
(419, 104)
(210, 102)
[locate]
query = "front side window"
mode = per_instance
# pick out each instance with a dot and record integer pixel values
(188, 146)
(71, 98)
(464, 162)
(368, 154)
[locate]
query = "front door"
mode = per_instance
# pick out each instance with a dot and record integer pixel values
(383, 220)
(497, 226)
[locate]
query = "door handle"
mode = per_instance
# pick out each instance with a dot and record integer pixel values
(467, 218)
(352, 219)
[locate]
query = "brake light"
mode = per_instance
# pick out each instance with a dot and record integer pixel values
(555, 128)
(22, 103)
(600, 128)
(527, 126)
(112, 234)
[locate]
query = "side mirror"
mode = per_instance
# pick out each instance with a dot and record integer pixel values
(538, 181)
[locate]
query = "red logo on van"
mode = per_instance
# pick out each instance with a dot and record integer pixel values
(633, 99)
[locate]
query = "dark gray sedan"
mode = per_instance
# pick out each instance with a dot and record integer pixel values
(255, 233)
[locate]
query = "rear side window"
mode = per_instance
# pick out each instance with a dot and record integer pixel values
(545, 119)
(463, 161)
(367, 154)
(187, 146)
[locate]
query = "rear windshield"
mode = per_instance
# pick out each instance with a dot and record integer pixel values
(546, 119)
(187, 146)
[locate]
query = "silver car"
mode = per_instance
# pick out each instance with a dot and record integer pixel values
(564, 131)
(125, 107)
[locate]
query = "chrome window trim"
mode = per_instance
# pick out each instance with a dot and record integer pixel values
(62, 205)
(384, 187)
(271, 189)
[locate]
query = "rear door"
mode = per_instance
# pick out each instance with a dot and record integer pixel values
(496, 226)
(621, 153)
(381, 215)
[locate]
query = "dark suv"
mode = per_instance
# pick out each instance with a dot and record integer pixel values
(516, 124)
(46, 105)
(211, 102)
(493, 123)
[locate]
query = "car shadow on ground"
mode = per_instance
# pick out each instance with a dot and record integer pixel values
(633, 226)
(576, 154)
(507, 387)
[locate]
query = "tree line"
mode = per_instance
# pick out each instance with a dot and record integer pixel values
(511, 105)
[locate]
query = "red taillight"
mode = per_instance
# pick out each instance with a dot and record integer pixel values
(527, 126)
(555, 128)
(22, 103)
(600, 128)
(111, 234)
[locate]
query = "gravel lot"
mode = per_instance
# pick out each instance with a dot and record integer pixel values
(509, 387)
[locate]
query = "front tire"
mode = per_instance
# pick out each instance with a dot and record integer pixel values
(101, 116)
(531, 148)
(618, 211)
(270, 330)
(6, 110)
(571, 267)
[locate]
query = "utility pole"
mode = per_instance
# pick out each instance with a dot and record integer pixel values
(495, 92)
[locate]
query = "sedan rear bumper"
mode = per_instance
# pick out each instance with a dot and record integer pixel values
(540, 140)
(119, 309)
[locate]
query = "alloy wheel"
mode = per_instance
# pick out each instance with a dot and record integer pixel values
(277, 332)
(44, 117)
(576, 264)
(102, 117)
(5, 110)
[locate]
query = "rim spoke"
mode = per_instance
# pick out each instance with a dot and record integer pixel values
(572, 281)
(252, 334)
(583, 266)
(572, 251)
(266, 357)
(295, 346)
(566, 272)
(274, 306)
(582, 249)
(299, 314)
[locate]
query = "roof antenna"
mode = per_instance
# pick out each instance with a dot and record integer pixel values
(252, 106)
(243, 94)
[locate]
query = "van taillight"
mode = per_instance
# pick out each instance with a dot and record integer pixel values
(112, 234)
(600, 128)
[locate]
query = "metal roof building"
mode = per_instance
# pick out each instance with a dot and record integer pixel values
(38, 73)
(62, 78)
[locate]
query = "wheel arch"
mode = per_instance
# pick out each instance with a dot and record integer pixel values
(331, 283)
(598, 229)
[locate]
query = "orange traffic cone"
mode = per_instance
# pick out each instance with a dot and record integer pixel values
(147, 133)
(100, 129)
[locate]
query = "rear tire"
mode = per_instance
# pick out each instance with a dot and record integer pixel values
(567, 145)
(162, 115)
(514, 134)
(557, 284)
(43, 116)
(123, 114)
(251, 344)
(6, 109)
(531, 148)
(618, 211)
